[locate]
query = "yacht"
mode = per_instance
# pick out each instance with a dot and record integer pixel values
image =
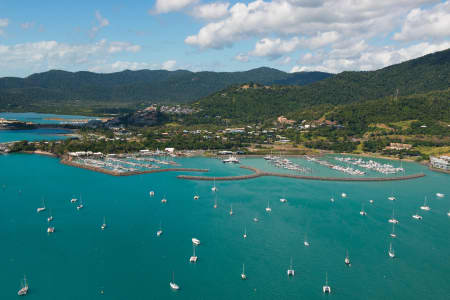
(283, 200)
(73, 200)
(196, 197)
(344, 195)
(417, 216)
(448, 213)
(391, 198)
(371, 201)
(24, 289)
(50, 217)
(291, 271)
(440, 195)
(51, 229)
(80, 206)
(164, 200)
(425, 205)
(39, 209)
(231, 209)
(391, 251)
(393, 234)
(332, 199)
(173, 285)
(195, 241)
(255, 219)
(268, 209)
(159, 232)
(231, 160)
(326, 288)
(245, 232)
(103, 227)
(243, 276)
(193, 258)
(151, 193)
(347, 259)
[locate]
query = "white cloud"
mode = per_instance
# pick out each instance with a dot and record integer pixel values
(102, 22)
(363, 19)
(165, 6)
(372, 58)
(44, 55)
(27, 25)
(274, 48)
(426, 23)
(169, 65)
(242, 57)
(211, 11)
(3, 24)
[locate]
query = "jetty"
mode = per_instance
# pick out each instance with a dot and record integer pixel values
(130, 173)
(258, 173)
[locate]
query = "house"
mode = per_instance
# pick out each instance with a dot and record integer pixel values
(442, 162)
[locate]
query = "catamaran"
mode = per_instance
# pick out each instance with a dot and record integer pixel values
(326, 288)
(195, 241)
(103, 227)
(268, 209)
(243, 276)
(425, 205)
(291, 271)
(24, 287)
(393, 219)
(39, 209)
(193, 258)
(391, 251)
(214, 188)
(347, 259)
(172, 284)
(151, 193)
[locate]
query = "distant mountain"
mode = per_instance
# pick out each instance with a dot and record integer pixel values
(136, 86)
(257, 103)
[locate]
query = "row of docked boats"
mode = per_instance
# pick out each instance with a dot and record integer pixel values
(347, 170)
(371, 165)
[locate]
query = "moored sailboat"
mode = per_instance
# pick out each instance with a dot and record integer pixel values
(39, 209)
(24, 287)
(193, 258)
(243, 275)
(291, 271)
(326, 288)
(172, 284)
(103, 227)
(425, 205)
(347, 259)
(391, 251)
(268, 209)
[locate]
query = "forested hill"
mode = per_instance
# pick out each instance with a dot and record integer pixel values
(256, 102)
(137, 86)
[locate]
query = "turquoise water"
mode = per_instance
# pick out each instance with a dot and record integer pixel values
(39, 118)
(128, 260)
(33, 135)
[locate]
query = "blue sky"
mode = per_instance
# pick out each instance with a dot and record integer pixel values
(290, 35)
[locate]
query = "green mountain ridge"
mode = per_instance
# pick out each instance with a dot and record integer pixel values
(136, 86)
(258, 103)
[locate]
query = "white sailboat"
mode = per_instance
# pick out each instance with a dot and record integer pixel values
(440, 195)
(425, 205)
(196, 197)
(245, 232)
(393, 219)
(159, 232)
(215, 202)
(231, 209)
(193, 258)
(326, 288)
(151, 193)
(195, 241)
(50, 229)
(362, 212)
(291, 271)
(283, 200)
(172, 284)
(164, 200)
(80, 206)
(332, 199)
(448, 213)
(268, 209)
(255, 219)
(50, 217)
(393, 234)
(39, 209)
(73, 200)
(391, 251)
(344, 195)
(347, 259)
(305, 242)
(214, 188)
(243, 275)
(391, 198)
(103, 227)
(24, 287)
(417, 216)
(371, 201)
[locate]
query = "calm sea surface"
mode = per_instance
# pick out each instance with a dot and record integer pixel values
(128, 260)
(33, 134)
(39, 118)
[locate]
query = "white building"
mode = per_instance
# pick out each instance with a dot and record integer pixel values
(442, 162)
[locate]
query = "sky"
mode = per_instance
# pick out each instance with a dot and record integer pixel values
(202, 35)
